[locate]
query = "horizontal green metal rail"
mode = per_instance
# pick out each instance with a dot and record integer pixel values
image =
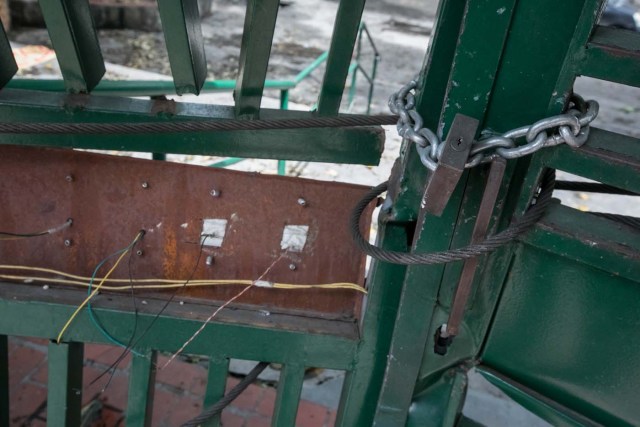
(338, 145)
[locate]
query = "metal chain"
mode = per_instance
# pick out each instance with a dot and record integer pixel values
(570, 128)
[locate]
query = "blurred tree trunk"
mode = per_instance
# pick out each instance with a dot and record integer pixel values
(5, 16)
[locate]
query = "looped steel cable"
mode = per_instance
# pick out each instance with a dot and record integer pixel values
(490, 244)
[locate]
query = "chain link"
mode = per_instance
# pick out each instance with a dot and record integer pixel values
(571, 128)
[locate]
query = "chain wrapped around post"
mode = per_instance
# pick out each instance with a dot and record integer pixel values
(570, 128)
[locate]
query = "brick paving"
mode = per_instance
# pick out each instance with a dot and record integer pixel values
(179, 391)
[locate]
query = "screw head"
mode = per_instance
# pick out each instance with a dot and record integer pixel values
(302, 202)
(139, 252)
(145, 184)
(68, 242)
(214, 193)
(292, 267)
(69, 178)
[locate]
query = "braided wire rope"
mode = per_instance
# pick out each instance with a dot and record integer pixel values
(217, 407)
(490, 244)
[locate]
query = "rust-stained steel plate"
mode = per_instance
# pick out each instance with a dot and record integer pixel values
(111, 198)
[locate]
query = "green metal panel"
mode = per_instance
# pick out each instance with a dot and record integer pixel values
(448, 392)
(74, 38)
(345, 32)
(340, 145)
(8, 66)
(259, 24)
(64, 394)
(289, 388)
(4, 381)
(216, 382)
(574, 293)
(613, 54)
(556, 414)
(142, 378)
(185, 46)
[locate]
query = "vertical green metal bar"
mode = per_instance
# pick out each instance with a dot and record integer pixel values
(142, 378)
(354, 75)
(216, 382)
(259, 24)
(289, 388)
(362, 385)
(345, 32)
(64, 396)
(8, 66)
(374, 71)
(185, 46)
(470, 84)
(158, 156)
(75, 41)
(4, 381)
(284, 105)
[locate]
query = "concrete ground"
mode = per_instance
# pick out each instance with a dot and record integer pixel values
(401, 31)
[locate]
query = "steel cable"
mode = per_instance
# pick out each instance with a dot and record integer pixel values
(592, 187)
(217, 407)
(195, 125)
(490, 244)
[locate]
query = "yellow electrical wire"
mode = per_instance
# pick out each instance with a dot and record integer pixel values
(97, 288)
(179, 284)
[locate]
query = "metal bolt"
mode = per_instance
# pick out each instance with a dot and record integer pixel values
(68, 242)
(214, 193)
(139, 252)
(145, 184)
(209, 260)
(181, 302)
(45, 287)
(302, 202)
(144, 302)
(69, 178)
(292, 267)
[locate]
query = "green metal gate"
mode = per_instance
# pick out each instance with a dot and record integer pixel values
(552, 318)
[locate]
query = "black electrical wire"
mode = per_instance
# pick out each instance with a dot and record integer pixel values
(592, 187)
(217, 407)
(490, 244)
(164, 307)
(66, 224)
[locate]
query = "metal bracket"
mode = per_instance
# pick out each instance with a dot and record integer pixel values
(446, 333)
(451, 164)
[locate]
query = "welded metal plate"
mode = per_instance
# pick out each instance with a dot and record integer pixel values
(111, 198)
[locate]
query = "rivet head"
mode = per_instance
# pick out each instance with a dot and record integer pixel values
(215, 193)
(69, 178)
(292, 267)
(145, 184)
(68, 242)
(302, 202)
(139, 252)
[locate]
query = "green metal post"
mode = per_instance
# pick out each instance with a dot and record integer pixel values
(75, 40)
(259, 24)
(345, 32)
(185, 46)
(217, 380)
(288, 398)
(142, 378)
(64, 396)
(4, 381)
(8, 66)
(284, 105)
(354, 70)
